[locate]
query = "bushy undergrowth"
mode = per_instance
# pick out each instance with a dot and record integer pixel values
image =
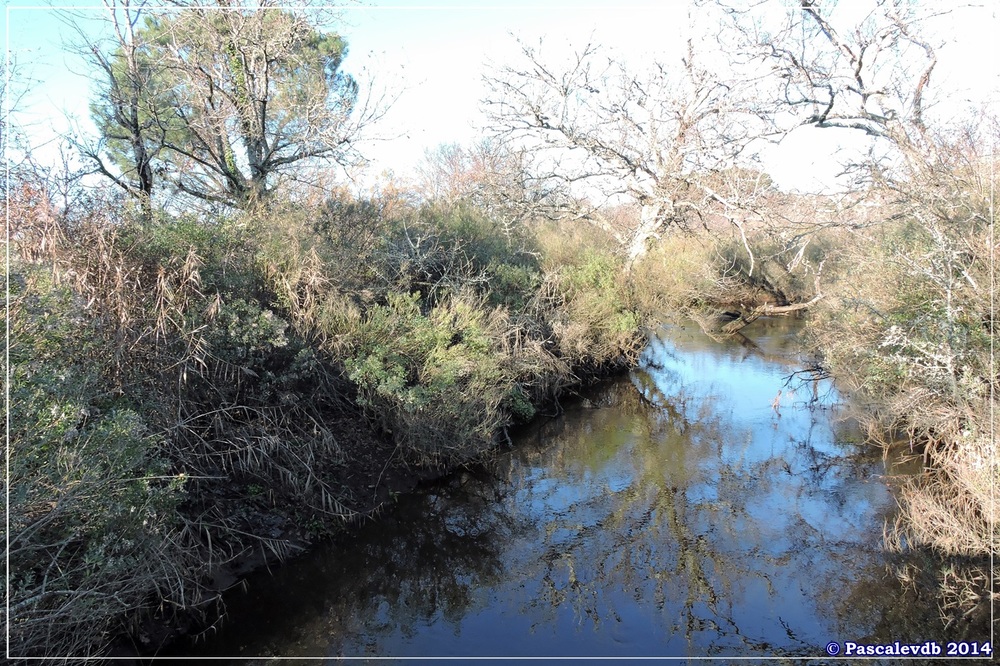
(910, 326)
(93, 500)
(466, 329)
(596, 314)
(152, 379)
(682, 271)
(438, 380)
(177, 384)
(910, 332)
(701, 270)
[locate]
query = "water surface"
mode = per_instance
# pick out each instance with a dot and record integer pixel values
(688, 509)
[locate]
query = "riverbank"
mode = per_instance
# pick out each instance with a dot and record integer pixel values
(192, 397)
(901, 317)
(195, 396)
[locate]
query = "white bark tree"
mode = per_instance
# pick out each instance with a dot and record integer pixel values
(656, 136)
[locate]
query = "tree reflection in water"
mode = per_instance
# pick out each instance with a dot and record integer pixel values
(675, 513)
(420, 563)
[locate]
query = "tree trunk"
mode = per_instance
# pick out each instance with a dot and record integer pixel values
(766, 310)
(649, 227)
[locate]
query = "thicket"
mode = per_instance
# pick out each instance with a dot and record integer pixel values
(189, 390)
(910, 327)
(701, 273)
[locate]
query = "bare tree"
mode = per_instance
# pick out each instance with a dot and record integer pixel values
(492, 176)
(652, 136)
(444, 174)
(124, 110)
(832, 70)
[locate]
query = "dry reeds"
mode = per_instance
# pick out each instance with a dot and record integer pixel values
(140, 396)
(179, 384)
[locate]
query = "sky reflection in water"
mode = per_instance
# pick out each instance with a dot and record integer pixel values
(681, 511)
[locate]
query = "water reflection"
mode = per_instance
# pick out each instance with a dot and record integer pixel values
(688, 510)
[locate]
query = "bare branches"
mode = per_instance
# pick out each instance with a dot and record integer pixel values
(871, 75)
(595, 126)
(128, 147)
(499, 180)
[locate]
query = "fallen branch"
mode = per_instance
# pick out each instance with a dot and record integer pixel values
(769, 310)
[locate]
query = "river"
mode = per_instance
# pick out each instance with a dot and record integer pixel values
(688, 509)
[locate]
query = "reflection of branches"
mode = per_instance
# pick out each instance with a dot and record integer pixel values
(592, 520)
(650, 392)
(814, 375)
(425, 558)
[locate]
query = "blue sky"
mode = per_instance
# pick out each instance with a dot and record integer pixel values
(433, 56)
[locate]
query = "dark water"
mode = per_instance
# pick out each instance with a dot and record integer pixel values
(686, 510)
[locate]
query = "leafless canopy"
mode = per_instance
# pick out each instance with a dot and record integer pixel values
(869, 73)
(652, 136)
(495, 177)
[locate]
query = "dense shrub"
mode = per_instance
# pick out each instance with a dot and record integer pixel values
(436, 381)
(910, 328)
(165, 372)
(442, 249)
(679, 272)
(93, 512)
(910, 331)
(148, 381)
(592, 309)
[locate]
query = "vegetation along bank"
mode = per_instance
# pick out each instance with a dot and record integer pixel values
(220, 353)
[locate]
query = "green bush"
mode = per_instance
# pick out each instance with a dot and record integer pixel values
(595, 318)
(436, 381)
(245, 333)
(512, 286)
(439, 250)
(93, 502)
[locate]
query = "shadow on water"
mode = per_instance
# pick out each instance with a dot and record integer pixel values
(702, 506)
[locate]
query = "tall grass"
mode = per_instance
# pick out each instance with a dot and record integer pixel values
(153, 380)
